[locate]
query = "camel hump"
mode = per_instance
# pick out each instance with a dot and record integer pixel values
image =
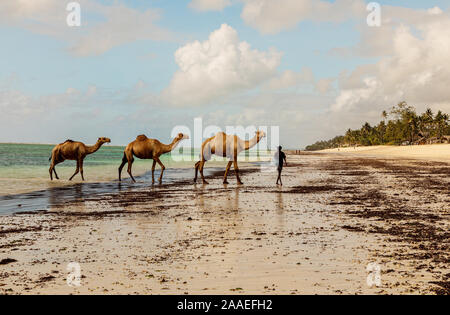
(68, 141)
(141, 138)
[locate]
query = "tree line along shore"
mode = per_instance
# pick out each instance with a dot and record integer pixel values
(399, 126)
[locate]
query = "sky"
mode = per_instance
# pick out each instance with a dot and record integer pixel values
(312, 67)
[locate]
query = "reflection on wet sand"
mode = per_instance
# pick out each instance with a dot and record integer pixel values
(280, 209)
(54, 198)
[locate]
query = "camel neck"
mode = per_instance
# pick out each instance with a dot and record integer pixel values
(251, 143)
(169, 147)
(94, 148)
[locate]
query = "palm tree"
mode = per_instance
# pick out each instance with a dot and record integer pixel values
(441, 123)
(405, 125)
(413, 128)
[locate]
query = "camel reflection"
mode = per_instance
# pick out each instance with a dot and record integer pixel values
(63, 195)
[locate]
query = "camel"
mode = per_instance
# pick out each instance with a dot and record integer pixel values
(225, 146)
(72, 150)
(152, 149)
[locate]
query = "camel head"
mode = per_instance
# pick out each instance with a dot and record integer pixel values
(103, 140)
(260, 134)
(181, 136)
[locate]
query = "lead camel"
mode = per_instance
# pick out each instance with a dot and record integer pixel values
(225, 146)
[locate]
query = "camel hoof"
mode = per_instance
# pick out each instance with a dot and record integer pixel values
(240, 183)
(225, 183)
(205, 182)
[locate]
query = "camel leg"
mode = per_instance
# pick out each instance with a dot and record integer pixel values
(124, 161)
(226, 172)
(81, 170)
(129, 156)
(162, 169)
(52, 167)
(76, 171)
(50, 170)
(236, 170)
(54, 170)
(202, 164)
(153, 171)
(130, 163)
(196, 170)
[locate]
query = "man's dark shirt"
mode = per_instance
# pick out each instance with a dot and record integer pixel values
(281, 158)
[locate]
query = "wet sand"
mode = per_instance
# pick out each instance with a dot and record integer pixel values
(65, 191)
(317, 234)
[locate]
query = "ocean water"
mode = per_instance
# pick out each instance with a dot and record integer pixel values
(24, 176)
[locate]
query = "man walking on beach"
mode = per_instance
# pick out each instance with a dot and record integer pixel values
(281, 159)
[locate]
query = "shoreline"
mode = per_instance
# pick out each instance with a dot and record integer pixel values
(316, 235)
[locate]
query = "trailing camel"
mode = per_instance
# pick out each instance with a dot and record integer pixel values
(73, 150)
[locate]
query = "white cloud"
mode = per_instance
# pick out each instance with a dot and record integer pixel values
(290, 78)
(122, 25)
(416, 71)
(209, 5)
(73, 113)
(324, 86)
(271, 17)
(435, 11)
(348, 99)
(102, 26)
(218, 67)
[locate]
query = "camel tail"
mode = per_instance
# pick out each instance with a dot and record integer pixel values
(50, 158)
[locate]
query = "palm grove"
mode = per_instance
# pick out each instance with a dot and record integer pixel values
(401, 125)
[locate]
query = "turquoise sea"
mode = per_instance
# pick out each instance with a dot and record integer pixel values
(24, 170)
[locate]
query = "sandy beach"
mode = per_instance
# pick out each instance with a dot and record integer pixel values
(435, 152)
(335, 215)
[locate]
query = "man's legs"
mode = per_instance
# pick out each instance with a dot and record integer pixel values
(279, 177)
